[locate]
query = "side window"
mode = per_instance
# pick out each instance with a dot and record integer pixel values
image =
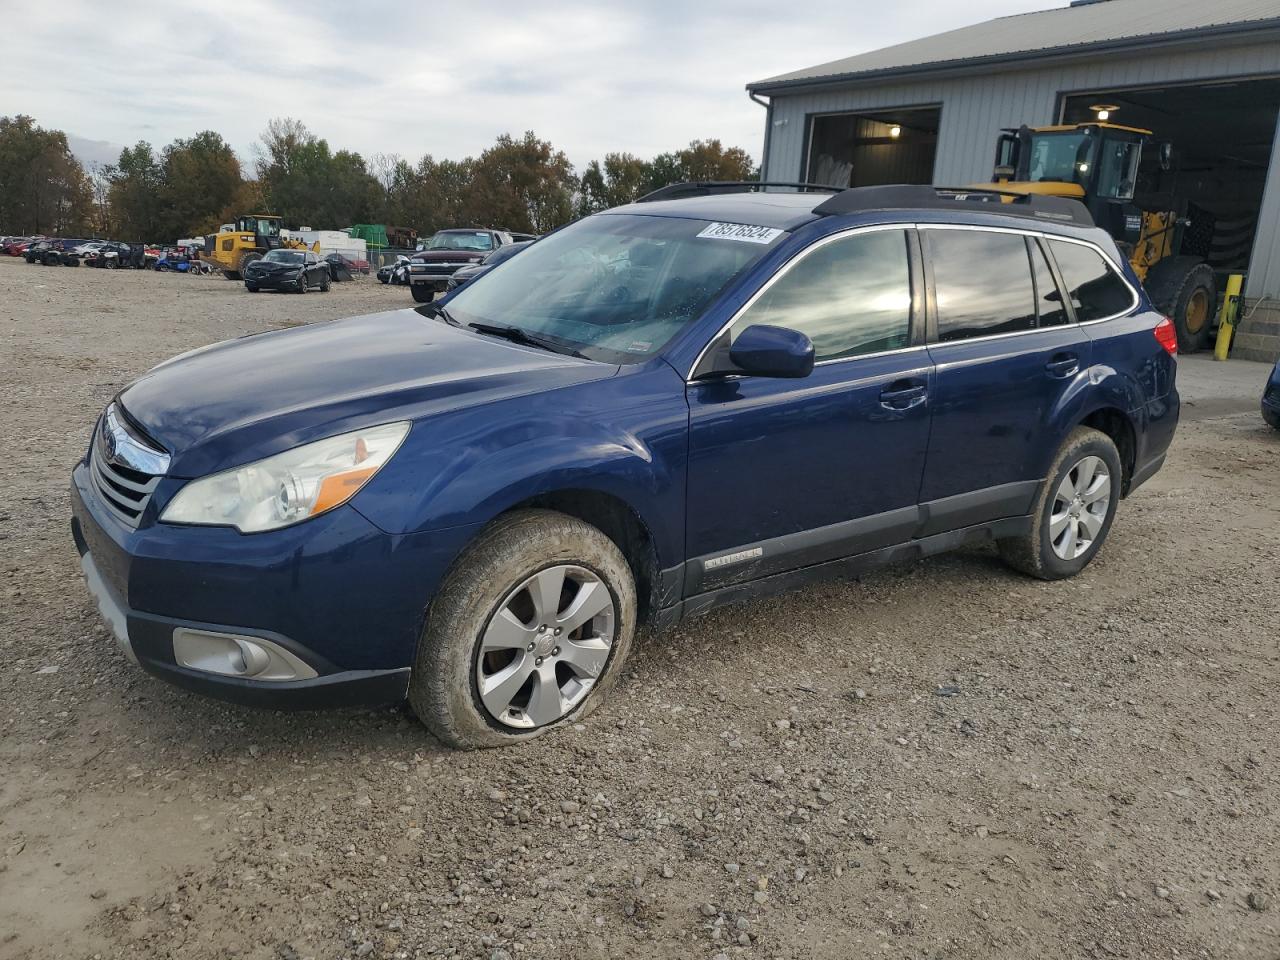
(982, 282)
(850, 296)
(1095, 288)
(1049, 303)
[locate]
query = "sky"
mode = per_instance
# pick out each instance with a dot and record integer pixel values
(435, 77)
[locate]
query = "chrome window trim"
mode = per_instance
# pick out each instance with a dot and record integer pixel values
(783, 271)
(871, 228)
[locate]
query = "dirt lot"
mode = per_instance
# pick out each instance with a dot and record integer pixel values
(942, 761)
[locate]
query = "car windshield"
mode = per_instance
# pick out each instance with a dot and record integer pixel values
(284, 256)
(461, 240)
(1061, 157)
(613, 287)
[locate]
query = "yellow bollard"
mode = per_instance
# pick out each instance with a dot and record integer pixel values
(1227, 318)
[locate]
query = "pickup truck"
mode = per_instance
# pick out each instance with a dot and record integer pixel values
(447, 250)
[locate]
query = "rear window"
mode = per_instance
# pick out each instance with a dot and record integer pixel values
(1095, 288)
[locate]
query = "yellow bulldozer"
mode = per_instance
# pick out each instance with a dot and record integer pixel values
(1127, 181)
(250, 238)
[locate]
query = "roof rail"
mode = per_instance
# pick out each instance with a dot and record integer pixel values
(706, 188)
(1005, 202)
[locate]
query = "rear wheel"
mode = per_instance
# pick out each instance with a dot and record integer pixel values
(529, 631)
(1074, 511)
(1184, 289)
(1271, 417)
(325, 281)
(422, 293)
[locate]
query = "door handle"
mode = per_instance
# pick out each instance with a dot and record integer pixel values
(903, 395)
(1063, 365)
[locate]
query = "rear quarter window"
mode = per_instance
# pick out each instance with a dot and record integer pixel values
(1095, 287)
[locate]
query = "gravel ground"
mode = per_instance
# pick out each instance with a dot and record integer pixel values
(944, 760)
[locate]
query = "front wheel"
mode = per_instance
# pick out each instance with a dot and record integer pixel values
(529, 631)
(325, 283)
(421, 293)
(1074, 510)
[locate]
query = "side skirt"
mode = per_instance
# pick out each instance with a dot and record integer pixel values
(844, 567)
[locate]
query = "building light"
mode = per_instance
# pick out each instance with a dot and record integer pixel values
(895, 131)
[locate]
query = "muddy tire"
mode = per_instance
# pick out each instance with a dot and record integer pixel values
(493, 668)
(1184, 289)
(1074, 510)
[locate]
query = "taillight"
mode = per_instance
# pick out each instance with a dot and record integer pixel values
(1167, 334)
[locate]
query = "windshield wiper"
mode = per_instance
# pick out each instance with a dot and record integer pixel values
(519, 335)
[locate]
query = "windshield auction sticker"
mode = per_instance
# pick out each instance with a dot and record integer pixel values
(742, 232)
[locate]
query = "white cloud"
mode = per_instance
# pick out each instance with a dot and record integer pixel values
(435, 77)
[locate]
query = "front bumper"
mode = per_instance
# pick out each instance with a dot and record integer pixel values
(434, 281)
(272, 282)
(341, 595)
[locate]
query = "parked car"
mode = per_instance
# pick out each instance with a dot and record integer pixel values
(652, 412)
(1271, 399)
(472, 270)
(295, 270)
(114, 255)
(17, 246)
(46, 252)
(71, 257)
(446, 251)
(344, 268)
(396, 274)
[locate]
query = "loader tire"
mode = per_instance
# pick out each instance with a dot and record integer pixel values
(1184, 290)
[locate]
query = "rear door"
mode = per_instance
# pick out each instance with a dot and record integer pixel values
(1008, 354)
(790, 473)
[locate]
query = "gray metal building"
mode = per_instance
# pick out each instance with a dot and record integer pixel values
(1202, 74)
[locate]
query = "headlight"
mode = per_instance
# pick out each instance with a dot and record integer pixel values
(289, 487)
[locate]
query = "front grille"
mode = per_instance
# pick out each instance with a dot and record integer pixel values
(437, 269)
(125, 468)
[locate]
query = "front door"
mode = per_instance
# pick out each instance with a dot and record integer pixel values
(788, 473)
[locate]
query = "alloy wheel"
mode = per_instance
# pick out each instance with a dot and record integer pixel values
(1080, 507)
(545, 646)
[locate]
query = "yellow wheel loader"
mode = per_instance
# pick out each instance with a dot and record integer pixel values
(1120, 174)
(250, 238)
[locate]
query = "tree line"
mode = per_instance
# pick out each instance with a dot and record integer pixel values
(193, 185)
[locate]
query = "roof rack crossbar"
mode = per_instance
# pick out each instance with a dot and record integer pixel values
(1010, 203)
(706, 188)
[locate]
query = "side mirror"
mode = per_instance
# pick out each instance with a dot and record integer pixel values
(767, 351)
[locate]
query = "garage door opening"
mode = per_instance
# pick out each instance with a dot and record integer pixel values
(868, 149)
(1221, 136)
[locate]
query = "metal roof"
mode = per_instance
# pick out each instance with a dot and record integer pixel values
(1100, 25)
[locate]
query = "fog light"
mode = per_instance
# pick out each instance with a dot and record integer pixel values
(232, 655)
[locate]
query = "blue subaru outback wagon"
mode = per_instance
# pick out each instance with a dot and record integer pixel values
(694, 399)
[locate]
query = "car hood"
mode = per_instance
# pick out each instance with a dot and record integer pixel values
(241, 400)
(263, 266)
